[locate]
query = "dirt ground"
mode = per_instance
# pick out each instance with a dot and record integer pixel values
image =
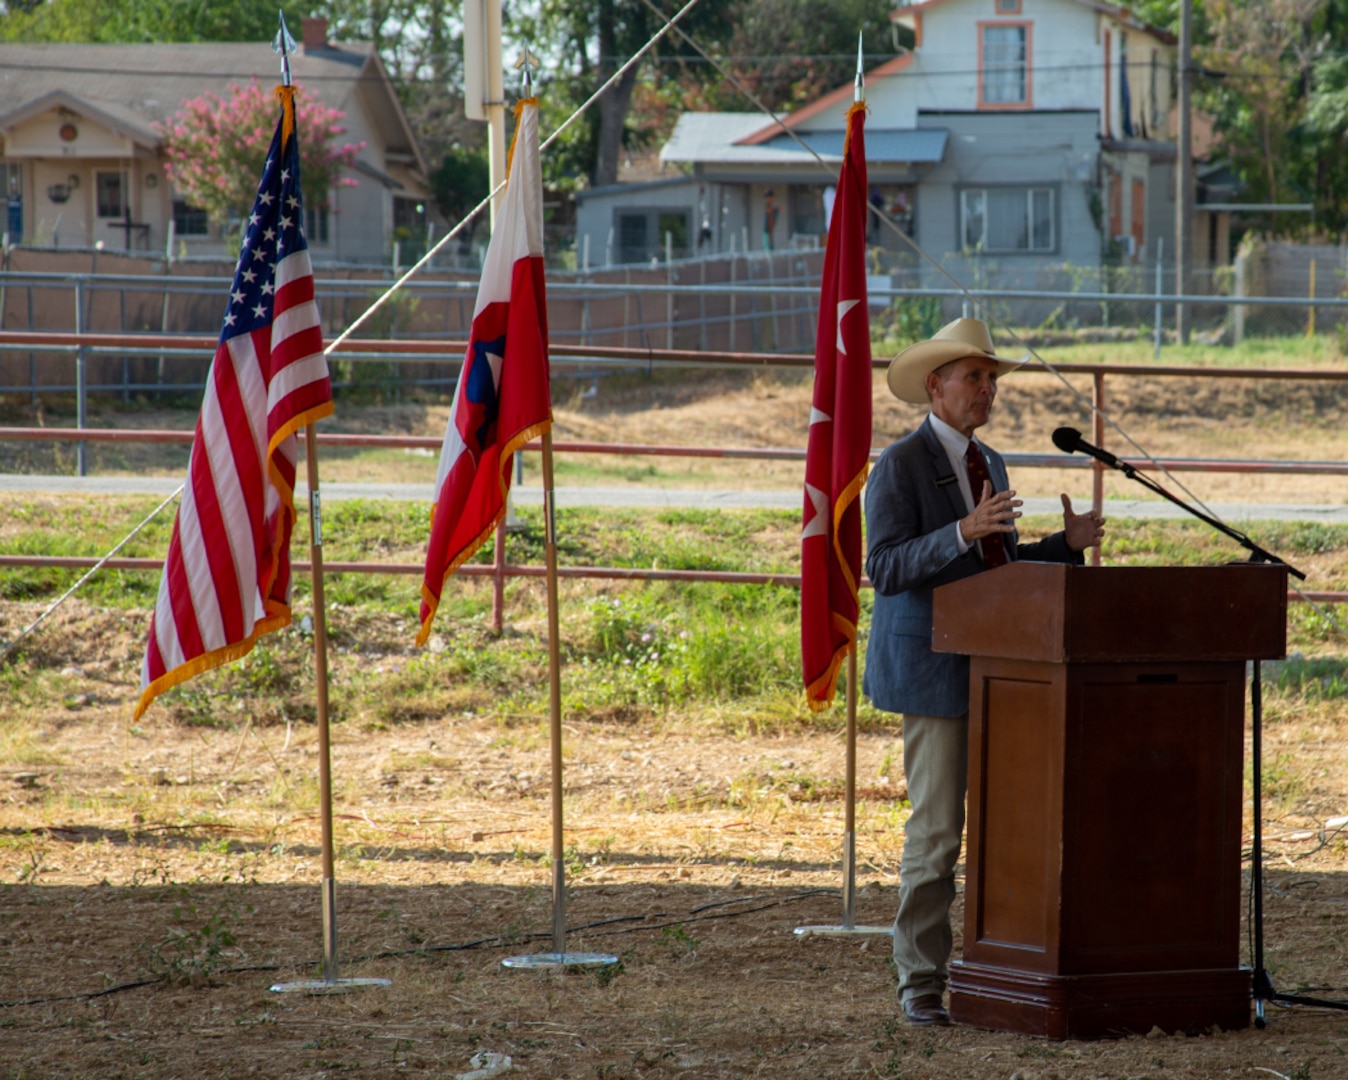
(159, 878)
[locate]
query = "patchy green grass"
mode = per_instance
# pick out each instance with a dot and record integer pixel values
(728, 653)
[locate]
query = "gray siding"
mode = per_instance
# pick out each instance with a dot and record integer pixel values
(1055, 150)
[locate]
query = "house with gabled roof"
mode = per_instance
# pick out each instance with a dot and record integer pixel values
(1032, 133)
(82, 163)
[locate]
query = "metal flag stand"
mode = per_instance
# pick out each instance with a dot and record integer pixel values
(330, 983)
(849, 927)
(559, 957)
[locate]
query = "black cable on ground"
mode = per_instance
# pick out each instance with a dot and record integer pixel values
(497, 940)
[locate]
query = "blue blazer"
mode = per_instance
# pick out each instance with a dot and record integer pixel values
(912, 499)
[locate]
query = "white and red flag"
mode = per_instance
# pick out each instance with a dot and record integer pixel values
(503, 398)
(837, 457)
(226, 580)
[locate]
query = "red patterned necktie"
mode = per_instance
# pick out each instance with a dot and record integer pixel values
(994, 548)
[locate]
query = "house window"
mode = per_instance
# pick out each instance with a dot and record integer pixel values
(316, 224)
(189, 220)
(111, 194)
(641, 233)
(409, 217)
(807, 210)
(1007, 7)
(1008, 219)
(1003, 65)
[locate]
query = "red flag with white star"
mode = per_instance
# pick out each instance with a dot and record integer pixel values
(837, 457)
(503, 398)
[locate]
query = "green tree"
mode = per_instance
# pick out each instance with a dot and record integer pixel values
(789, 52)
(108, 21)
(1263, 52)
(460, 182)
(421, 44)
(588, 41)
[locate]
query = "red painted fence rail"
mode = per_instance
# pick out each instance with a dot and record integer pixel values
(452, 352)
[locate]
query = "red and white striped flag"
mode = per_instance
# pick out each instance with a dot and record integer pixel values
(503, 398)
(837, 457)
(227, 576)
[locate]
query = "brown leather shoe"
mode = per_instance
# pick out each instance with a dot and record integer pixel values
(926, 1010)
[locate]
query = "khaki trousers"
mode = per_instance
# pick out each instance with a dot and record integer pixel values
(936, 765)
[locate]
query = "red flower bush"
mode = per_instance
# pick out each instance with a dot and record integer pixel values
(216, 148)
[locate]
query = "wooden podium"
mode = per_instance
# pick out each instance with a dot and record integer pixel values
(1106, 751)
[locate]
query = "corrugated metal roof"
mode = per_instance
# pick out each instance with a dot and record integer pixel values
(710, 138)
(905, 145)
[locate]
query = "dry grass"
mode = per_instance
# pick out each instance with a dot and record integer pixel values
(189, 856)
(183, 853)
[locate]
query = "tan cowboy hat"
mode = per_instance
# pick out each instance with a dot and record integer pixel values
(955, 340)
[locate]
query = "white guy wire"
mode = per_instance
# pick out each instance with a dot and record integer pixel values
(669, 25)
(991, 317)
(92, 571)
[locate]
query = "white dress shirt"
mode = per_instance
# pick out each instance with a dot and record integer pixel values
(956, 445)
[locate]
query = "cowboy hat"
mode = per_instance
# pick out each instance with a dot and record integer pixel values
(955, 340)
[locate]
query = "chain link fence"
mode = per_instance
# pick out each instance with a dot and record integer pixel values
(756, 302)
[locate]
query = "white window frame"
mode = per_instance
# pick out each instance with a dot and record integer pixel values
(973, 219)
(1002, 62)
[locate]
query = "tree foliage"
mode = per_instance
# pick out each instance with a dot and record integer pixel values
(216, 148)
(785, 51)
(789, 52)
(109, 21)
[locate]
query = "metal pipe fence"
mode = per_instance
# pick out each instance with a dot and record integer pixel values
(499, 570)
(765, 301)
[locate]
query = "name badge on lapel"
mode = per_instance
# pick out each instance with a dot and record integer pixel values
(942, 481)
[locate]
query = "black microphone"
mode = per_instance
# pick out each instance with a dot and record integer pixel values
(1069, 440)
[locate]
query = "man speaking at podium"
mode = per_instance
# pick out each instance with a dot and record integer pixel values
(939, 508)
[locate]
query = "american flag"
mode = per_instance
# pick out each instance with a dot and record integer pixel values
(226, 580)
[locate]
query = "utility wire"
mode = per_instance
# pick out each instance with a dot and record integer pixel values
(986, 310)
(9, 648)
(670, 24)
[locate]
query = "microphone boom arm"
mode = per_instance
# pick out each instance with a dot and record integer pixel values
(1257, 553)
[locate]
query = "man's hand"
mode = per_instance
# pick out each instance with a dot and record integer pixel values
(995, 513)
(1082, 530)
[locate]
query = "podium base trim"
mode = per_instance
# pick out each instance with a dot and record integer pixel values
(1099, 1006)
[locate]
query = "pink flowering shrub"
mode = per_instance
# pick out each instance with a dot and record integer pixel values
(216, 148)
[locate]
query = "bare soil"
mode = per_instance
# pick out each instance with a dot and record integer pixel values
(158, 878)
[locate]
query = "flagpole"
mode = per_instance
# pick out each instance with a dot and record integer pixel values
(849, 927)
(320, 610)
(330, 983)
(559, 957)
(554, 702)
(850, 808)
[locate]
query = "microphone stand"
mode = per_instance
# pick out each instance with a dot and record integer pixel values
(1257, 553)
(1262, 982)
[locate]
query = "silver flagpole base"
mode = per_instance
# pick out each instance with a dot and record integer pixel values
(329, 983)
(319, 986)
(848, 928)
(560, 957)
(842, 931)
(550, 961)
